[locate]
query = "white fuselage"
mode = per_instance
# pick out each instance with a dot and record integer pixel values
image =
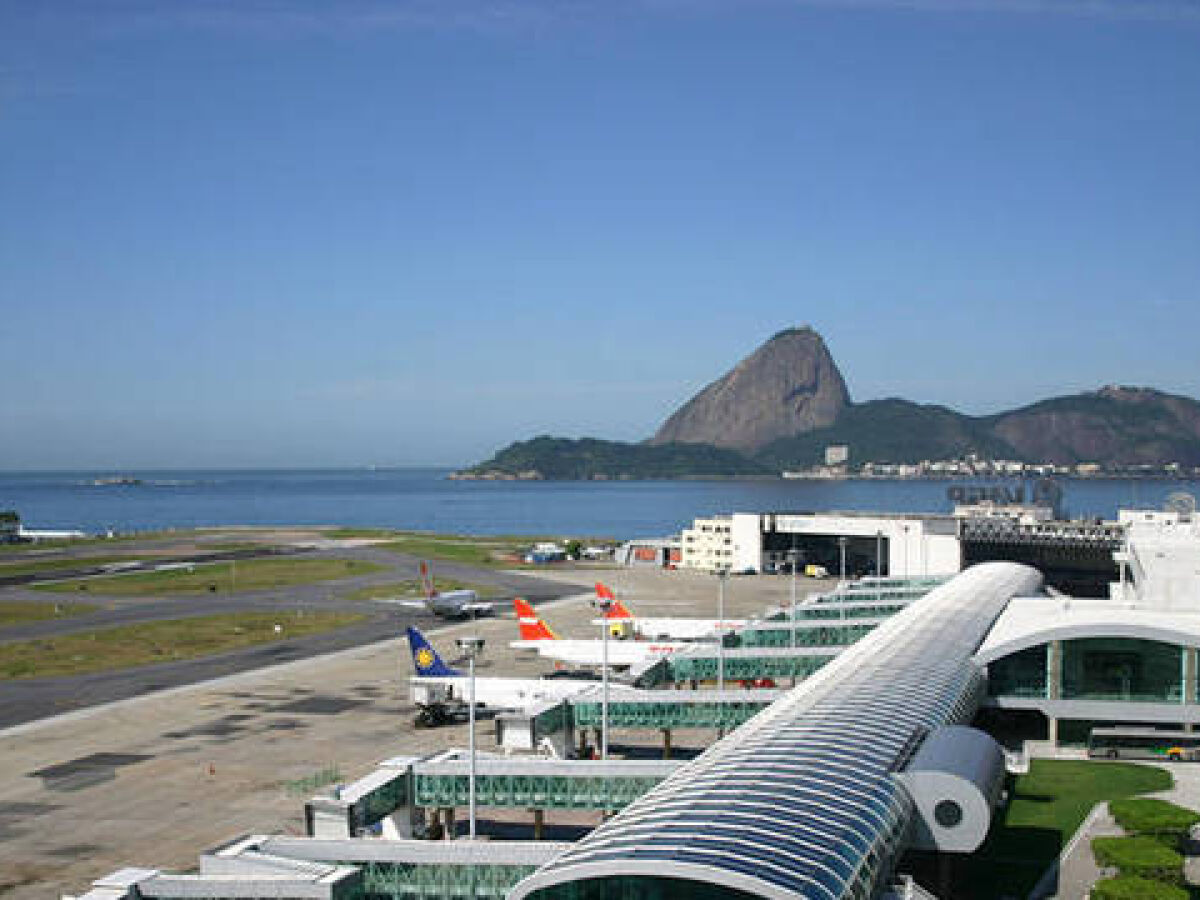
(678, 629)
(496, 692)
(453, 604)
(591, 652)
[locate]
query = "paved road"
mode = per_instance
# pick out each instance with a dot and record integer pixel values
(26, 700)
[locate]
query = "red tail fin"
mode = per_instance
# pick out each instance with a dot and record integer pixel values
(617, 610)
(426, 581)
(530, 626)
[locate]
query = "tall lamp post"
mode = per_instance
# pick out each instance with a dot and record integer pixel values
(604, 604)
(793, 560)
(471, 646)
(722, 575)
(842, 556)
(878, 554)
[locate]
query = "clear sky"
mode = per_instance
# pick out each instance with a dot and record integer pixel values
(252, 233)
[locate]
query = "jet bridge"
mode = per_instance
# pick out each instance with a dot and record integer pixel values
(562, 722)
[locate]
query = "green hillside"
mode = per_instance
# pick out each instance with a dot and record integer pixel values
(588, 459)
(889, 431)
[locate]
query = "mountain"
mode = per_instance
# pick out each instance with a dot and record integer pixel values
(1115, 425)
(787, 386)
(780, 407)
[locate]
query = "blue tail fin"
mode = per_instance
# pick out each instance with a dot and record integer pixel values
(425, 659)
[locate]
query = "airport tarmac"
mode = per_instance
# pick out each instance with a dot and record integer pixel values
(156, 779)
(23, 701)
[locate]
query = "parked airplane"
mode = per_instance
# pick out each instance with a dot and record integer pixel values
(619, 616)
(442, 693)
(449, 604)
(537, 635)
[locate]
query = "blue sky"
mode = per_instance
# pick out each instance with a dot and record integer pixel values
(289, 233)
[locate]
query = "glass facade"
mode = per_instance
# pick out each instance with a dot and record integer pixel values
(1021, 675)
(1122, 669)
(1104, 668)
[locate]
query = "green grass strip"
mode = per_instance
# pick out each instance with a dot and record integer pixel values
(18, 612)
(1127, 887)
(1150, 815)
(1140, 855)
(155, 642)
(247, 575)
(1046, 807)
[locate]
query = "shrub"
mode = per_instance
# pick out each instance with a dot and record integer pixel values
(1154, 817)
(1141, 855)
(1128, 887)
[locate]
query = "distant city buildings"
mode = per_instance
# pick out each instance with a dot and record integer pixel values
(973, 466)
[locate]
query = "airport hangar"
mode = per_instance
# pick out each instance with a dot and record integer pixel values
(1074, 556)
(819, 795)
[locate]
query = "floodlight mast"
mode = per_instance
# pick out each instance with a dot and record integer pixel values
(471, 646)
(604, 604)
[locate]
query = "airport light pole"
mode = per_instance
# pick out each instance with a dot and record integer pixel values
(878, 554)
(722, 575)
(842, 555)
(471, 646)
(793, 558)
(604, 604)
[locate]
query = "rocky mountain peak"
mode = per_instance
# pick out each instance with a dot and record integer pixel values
(788, 386)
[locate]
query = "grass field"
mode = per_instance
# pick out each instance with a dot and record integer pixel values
(154, 642)
(473, 551)
(17, 612)
(1046, 807)
(412, 588)
(248, 575)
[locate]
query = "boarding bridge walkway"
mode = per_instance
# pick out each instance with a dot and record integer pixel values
(700, 663)
(563, 724)
(260, 866)
(533, 783)
(816, 633)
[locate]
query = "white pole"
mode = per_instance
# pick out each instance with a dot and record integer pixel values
(604, 693)
(471, 718)
(878, 554)
(721, 573)
(792, 623)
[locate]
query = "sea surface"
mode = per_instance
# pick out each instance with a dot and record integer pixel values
(425, 499)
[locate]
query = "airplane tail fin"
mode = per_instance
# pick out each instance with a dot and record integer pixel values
(530, 625)
(425, 659)
(618, 610)
(426, 581)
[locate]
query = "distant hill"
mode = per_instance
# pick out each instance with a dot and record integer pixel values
(1115, 425)
(889, 431)
(588, 459)
(784, 404)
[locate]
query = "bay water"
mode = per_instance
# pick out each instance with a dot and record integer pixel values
(425, 499)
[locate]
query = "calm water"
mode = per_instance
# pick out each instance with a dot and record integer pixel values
(424, 499)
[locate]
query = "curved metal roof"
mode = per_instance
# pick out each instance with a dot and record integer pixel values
(1029, 622)
(800, 801)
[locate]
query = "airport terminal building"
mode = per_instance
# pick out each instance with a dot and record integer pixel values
(823, 788)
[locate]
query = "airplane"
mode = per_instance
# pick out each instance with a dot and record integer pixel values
(619, 615)
(449, 604)
(443, 693)
(537, 635)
